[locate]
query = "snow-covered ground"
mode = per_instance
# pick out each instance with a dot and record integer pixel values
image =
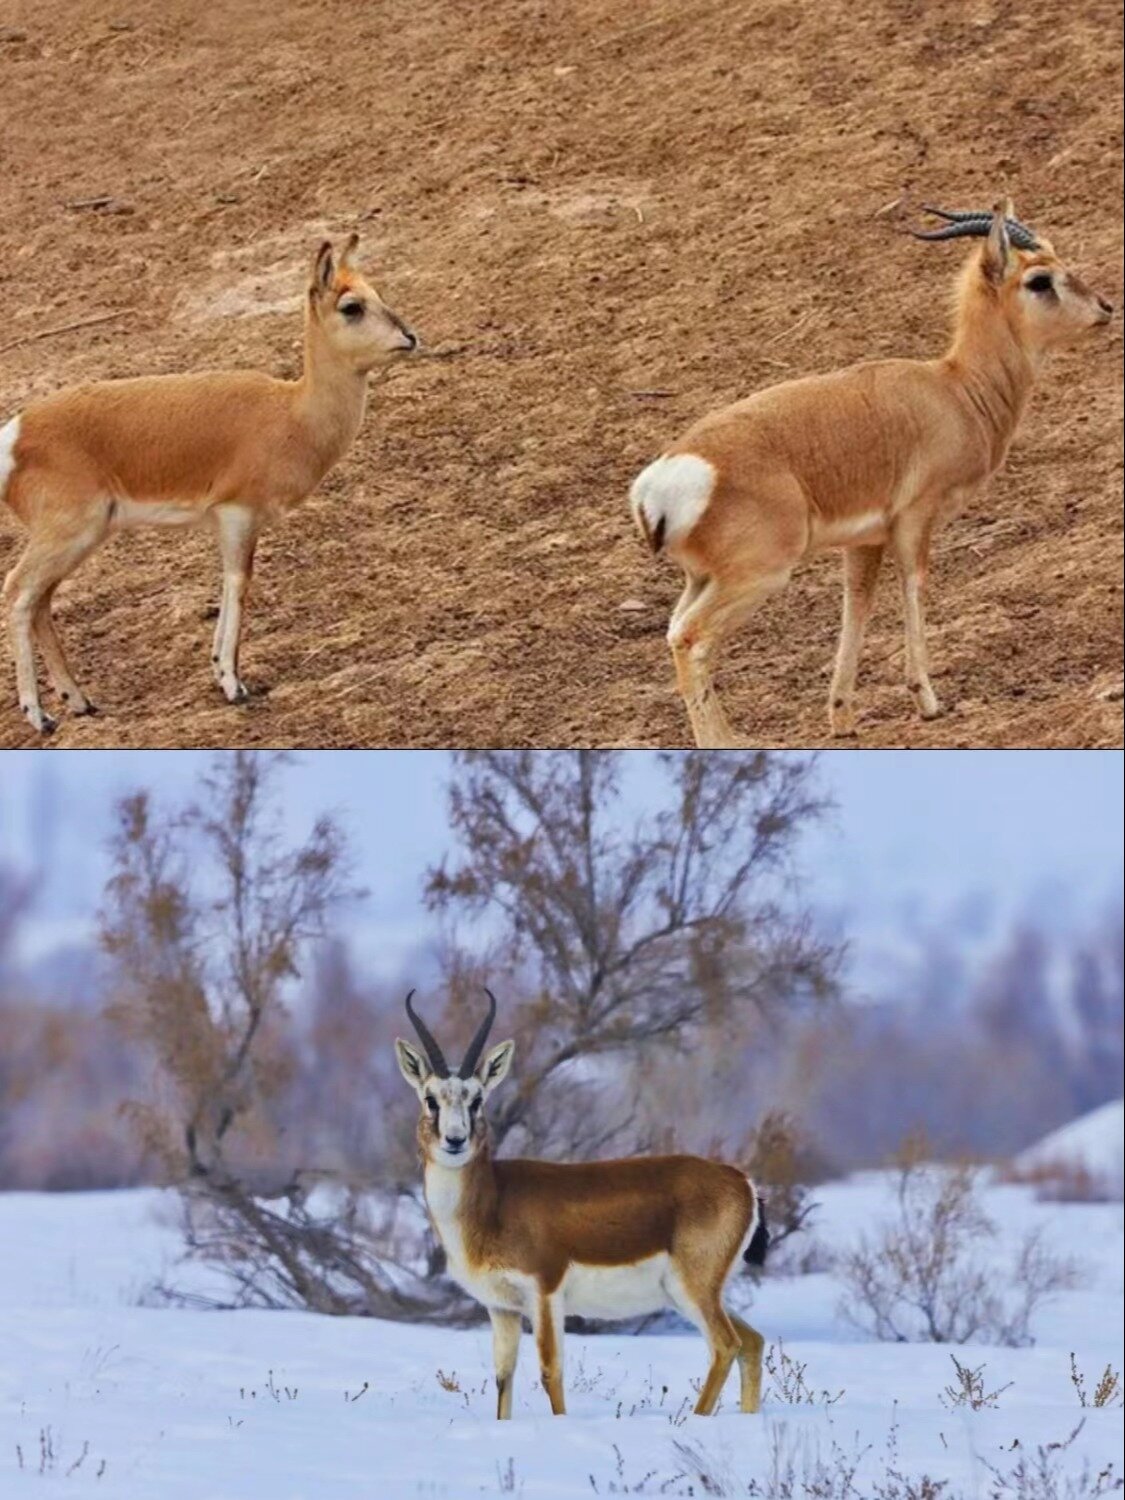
(1093, 1144)
(100, 1396)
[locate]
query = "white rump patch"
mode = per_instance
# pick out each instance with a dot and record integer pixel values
(9, 435)
(674, 488)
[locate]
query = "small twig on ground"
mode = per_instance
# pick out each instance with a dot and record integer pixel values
(48, 333)
(790, 331)
(104, 202)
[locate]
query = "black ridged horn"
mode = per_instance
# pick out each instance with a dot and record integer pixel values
(976, 224)
(476, 1046)
(955, 215)
(434, 1054)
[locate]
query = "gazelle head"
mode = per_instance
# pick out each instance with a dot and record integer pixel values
(1044, 303)
(356, 322)
(451, 1127)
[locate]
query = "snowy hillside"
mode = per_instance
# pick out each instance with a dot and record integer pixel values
(1094, 1144)
(100, 1396)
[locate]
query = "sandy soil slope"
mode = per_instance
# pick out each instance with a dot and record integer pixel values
(582, 205)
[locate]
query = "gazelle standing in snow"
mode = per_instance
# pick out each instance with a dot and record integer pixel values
(607, 1239)
(879, 454)
(235, 449)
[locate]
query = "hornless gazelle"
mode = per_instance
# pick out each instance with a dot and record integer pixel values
(607, 1239)
(232, 448)
(879, 454)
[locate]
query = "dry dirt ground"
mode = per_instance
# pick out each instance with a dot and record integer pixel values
(609, 217)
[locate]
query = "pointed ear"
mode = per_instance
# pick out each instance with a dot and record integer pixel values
(347, 255)
(411, 1064)
(997, 251)
(324, 268)
(493, 1071)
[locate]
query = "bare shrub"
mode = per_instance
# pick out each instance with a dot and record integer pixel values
(208, 918)
(1066, 1181)
(968, 1389)
(788, 1383)
(922, 1276)
(1107, 1392)
(629, 934)
(1040, 1475)
(778, 1163)
(799, 1469)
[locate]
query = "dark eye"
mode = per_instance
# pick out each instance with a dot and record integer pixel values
(1040, 283)
(474, 1108)
(431, 1104)
(353, 311)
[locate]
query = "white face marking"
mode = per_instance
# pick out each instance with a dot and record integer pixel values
(454, 1103)
(9, 435)
(676, 489)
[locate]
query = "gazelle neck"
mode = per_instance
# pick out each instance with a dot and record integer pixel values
(461, 1200)
(995, 371)
(330, 396)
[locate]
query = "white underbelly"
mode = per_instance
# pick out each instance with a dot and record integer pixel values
(617, 1291)
(860, 530)
(128, 513)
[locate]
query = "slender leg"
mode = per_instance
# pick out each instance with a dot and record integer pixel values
(725, 1345)
(238, 533)
(55, 658)
(549, 1340)
(44, 564)
(694, 634)
(693, 587)
(912, 555)
(749, 1363)
(20, 614)
(861, 573)
(704, 1308)
(506, 1329)
(217, 638)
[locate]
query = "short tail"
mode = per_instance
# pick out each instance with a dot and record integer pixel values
(668, 498)
(654, 536)
(652, 531)
(755, 1252)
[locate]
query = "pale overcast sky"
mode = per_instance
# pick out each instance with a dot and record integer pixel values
(914, 832)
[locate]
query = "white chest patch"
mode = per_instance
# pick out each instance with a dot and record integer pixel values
(675, 489)
(9, 435)
(617, 1291)
(493, 1287)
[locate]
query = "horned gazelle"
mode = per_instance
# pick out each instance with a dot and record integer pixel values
(231, 448)
(879, 454)
(609, 1239)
